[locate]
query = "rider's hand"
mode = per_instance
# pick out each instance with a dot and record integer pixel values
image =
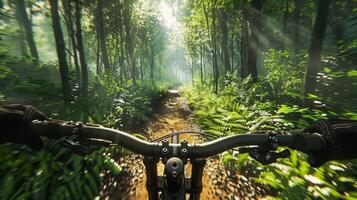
(340, 141)
(14, 123)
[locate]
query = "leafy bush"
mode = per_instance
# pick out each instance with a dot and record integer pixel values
(56, 172)
(243, 106)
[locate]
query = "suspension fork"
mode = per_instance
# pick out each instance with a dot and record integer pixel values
(174, 188)
(198, 165)
(151, 177)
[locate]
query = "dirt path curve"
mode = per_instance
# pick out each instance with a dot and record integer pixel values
(218, 183)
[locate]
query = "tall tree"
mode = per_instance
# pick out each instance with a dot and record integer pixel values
(84, 69)
(123, 71)
(101, 34)
(285, 23)
(253, 45)
(223, 17)
(27, 25)
(60, 47)
(211, 29)
(130, 33)
(202, 64)
(296, 32)
(68, 16)
(318, 34)
(244, 43)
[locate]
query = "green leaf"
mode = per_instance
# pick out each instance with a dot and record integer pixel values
(352, 73)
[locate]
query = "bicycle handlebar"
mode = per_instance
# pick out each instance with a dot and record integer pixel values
(57, 129)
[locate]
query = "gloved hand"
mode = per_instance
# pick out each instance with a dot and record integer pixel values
(14, 123)
(340, 138)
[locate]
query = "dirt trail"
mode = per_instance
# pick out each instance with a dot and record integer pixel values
(218, 183)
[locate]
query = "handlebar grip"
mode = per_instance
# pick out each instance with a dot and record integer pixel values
(307, 143)
(52, 129)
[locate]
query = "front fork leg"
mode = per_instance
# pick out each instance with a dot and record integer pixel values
(151, 178)
(196, 177)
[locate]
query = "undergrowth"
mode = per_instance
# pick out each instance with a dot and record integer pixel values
(273, 103)
(55, 172)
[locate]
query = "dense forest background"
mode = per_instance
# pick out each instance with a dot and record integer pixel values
(244, 65)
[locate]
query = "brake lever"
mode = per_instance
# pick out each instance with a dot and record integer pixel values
(269, 157)
(84, 146)
(267, 153)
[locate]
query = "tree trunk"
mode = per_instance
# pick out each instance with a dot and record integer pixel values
(296, 32)
(285, 21)
(101, 35)
(244, 44)
(67, 7)
(152, 64)
(84, 69)
(129, 39)
(315, 49)
(232, 52)
(121, 34)
(60, 47)
(201, 64)
(253, 46)
(192, 71)
(141, 68)
(98, 69)
(214, 44)
(212, 30)
(224, 29)
(119, 39)
(27, 25)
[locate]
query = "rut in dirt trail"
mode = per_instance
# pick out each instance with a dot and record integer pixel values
(218, 183)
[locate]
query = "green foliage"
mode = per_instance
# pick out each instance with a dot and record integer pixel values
(283, 80)
(56, 172)
(53, 173)
(243, 106)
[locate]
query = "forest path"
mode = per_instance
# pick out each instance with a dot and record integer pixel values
(218, 183)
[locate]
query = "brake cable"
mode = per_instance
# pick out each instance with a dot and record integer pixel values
(208, 136)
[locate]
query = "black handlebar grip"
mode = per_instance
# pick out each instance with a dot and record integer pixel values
(52, 129)
(306, 143)
(314, 142)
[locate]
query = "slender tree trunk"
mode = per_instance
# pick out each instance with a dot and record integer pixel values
(130, 38)
(119, 40)
(84, 69)
(23, 50)
(296, 32)
(141, 68)
(27, 25)
(121, 36)
(201, 64)
(315, 49)
(60, 47)
(244, 44)
(98, 69)
(224, 29)
(192, 71)
(68, 13)
(285, 21)
(152, 64)
(101, 35)
(213, 44)
(232, 52)
(253, 46)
